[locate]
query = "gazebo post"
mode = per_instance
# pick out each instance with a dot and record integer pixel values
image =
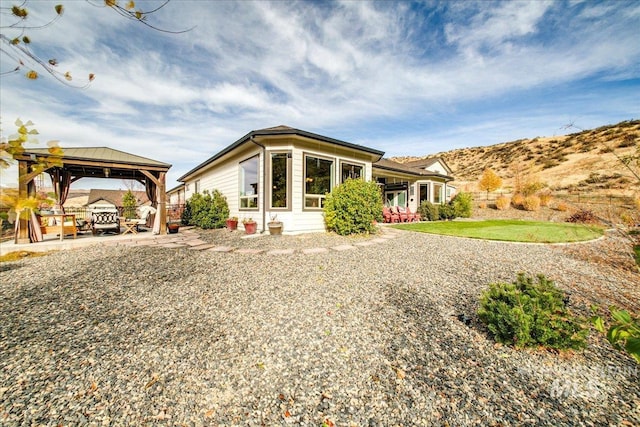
(22, 236)
(162, 201)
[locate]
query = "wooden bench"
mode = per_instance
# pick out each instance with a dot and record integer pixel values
(61, 224)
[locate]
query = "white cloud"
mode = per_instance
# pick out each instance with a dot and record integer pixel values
(396, 76)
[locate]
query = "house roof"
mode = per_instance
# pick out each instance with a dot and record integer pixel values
(100, 154)
(281, 130)
(176, 188)
(426, 163)
(390, 165)
(115, 196)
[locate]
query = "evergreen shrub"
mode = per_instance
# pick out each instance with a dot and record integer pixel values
(530, 313)
(353, 207)
(428, 211)
(206, 210)
(462, 205)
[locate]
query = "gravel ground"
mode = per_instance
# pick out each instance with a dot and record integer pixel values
(370, 336)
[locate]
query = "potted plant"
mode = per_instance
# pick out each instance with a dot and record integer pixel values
(173, 227)
(275, 226)
(232, 223)
(250, 225)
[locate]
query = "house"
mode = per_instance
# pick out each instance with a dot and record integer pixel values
(288, 172)
(176, 195)
(111, 200)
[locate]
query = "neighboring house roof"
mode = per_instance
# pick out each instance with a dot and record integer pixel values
(176, 188)
(101, 154)
(115, 196)
(390, 165)
(279, 131)
(426, 163)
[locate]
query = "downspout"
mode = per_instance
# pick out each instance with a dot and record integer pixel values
(264, 182)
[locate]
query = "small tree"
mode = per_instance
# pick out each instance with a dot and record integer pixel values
(489, 181)
(129, 203)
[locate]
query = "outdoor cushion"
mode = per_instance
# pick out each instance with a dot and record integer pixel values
(105, 221)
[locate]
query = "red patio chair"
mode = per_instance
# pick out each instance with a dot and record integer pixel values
(413, 216)
(389, 216)
(404, 217)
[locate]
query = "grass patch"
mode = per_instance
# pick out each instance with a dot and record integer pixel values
(636, 254)
(509, 230)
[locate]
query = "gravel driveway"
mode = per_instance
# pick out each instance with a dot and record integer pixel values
(367, 336)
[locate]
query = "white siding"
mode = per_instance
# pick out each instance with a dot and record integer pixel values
(438, 167)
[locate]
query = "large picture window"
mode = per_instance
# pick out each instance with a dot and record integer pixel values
(437, 193)
(318, 178)
(249, 183)
(280, 180)
(350, 170)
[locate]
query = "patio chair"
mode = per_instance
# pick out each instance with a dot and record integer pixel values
(402, 213)
(413, 216)
(389, 216)
(144, 212)
(105, 221)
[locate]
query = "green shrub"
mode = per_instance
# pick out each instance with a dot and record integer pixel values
(526, 314)
(462, 205)
(446, 211)
(623, 333)
(428, 211)
(353, 207)
(206, 210)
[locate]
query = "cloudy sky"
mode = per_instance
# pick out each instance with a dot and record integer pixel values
(409, 78)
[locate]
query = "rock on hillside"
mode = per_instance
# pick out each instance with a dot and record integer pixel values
(579, 162)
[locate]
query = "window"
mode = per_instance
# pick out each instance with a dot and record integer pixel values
(318, 179)
(249, 183)
(424, 193)
(350, 170)
(196, 186)
(437, 193)
(280, 181)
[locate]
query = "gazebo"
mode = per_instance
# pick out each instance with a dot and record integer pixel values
(96, 162)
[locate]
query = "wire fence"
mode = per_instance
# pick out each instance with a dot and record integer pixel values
(612, 200)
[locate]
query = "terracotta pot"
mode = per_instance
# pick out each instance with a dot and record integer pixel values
(275, 228)
(250, 227)
(232, 224)
(173, 228)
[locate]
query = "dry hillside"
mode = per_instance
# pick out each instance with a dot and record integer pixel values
(583, 162)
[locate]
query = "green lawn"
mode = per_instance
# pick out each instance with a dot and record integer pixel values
(509, 230)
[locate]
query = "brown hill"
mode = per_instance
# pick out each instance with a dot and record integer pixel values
(584, 162)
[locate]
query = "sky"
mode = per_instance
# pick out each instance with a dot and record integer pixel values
(408, 78)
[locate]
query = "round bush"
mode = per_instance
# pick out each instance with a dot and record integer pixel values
(503, 203)
(428, 211)
(531, 203)
(353, 207)
(527, 313)
(517, 200)
(462, 205)
(206, 210)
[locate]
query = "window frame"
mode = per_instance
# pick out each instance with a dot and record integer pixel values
(248, 197)
(289, 172)
(350, 163)
(319, 197)
(427, 186)
(438, 189)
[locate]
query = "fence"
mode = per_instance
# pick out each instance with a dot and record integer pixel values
(610, 200)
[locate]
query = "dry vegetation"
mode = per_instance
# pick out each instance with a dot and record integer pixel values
(579, 163)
